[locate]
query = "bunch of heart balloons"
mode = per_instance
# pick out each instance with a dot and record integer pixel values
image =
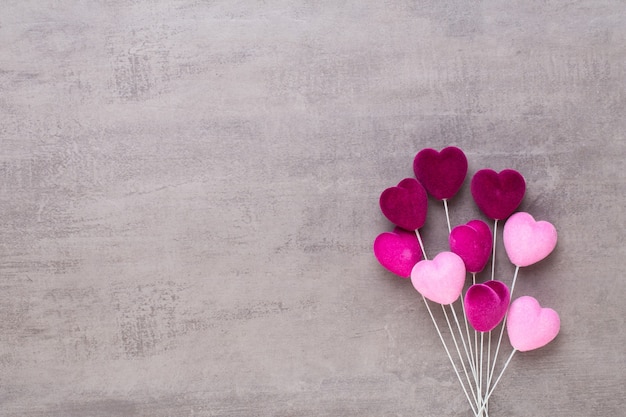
(449, 279)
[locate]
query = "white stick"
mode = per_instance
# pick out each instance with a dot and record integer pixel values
(493, 273)
(496, 383)
(458, 351)
(493, 254)
(472, 362)
(475, 342)
(495, 356)
(480, 378)
(419, 240)
(445, 206)
(458, 326)
(456, 371)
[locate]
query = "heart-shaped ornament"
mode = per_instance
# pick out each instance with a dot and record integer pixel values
(398, 251)
(441, 173)
(498, 194)
(528, 241)
(530, 326)
(486, 304)
(405, 205)
(472, 242)
(440, 280)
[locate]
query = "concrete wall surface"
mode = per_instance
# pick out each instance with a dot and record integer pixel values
(189, 196)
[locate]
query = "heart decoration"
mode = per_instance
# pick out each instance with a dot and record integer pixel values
(498, 194)
(440, 280)
(398, 251)
(472, 242)
(441, 173)
(486, 304)
(530, 326)
(527, 241)
(405, 205)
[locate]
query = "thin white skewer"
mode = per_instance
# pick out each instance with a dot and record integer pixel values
(487, 368)
(458, 351)
(458, 326)
(495, 356)
(480, 378)
(470, 355)
(419, 240)
(493, 273)
(456, 371)
(493, 251)
(472, 362)
(445, 347)
(445, 206)
(475, 342)
(488, 394)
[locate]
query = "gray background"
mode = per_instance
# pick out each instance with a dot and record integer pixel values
(189, 196)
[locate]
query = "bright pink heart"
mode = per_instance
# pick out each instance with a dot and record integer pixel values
(472, 242)
(405, 205)
(528, 241)
(441, 173)
(398, 251)
(498, 194)
(440, 280)
(486, 304)
(529, 326)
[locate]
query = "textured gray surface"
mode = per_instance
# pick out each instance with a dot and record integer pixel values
(189, 194)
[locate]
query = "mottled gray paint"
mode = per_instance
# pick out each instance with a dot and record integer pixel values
(189, 195)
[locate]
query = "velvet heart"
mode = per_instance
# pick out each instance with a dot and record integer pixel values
(498, 194)
(472, 242)
(529, 326)
(527, 241)
(405, 205)
(440, 280)
(441, 173)
(486, 304)
(398, 251)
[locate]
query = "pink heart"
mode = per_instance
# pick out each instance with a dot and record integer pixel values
(398, 251)
(405, 205)
(440, 280)
(486, 304)
(529, 326)
(441, 173)
(472, 242)
(498, 194)
(527, 241)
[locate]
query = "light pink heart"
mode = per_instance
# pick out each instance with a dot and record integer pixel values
(398, 251)
(486, 304)
(530, 326)
(528, 241)
(440, 280)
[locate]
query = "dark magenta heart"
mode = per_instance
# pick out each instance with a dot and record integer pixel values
(486, 304)
(405, 205)
(498, 194)
(441, 173)
(473, 243)
(398, 251)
